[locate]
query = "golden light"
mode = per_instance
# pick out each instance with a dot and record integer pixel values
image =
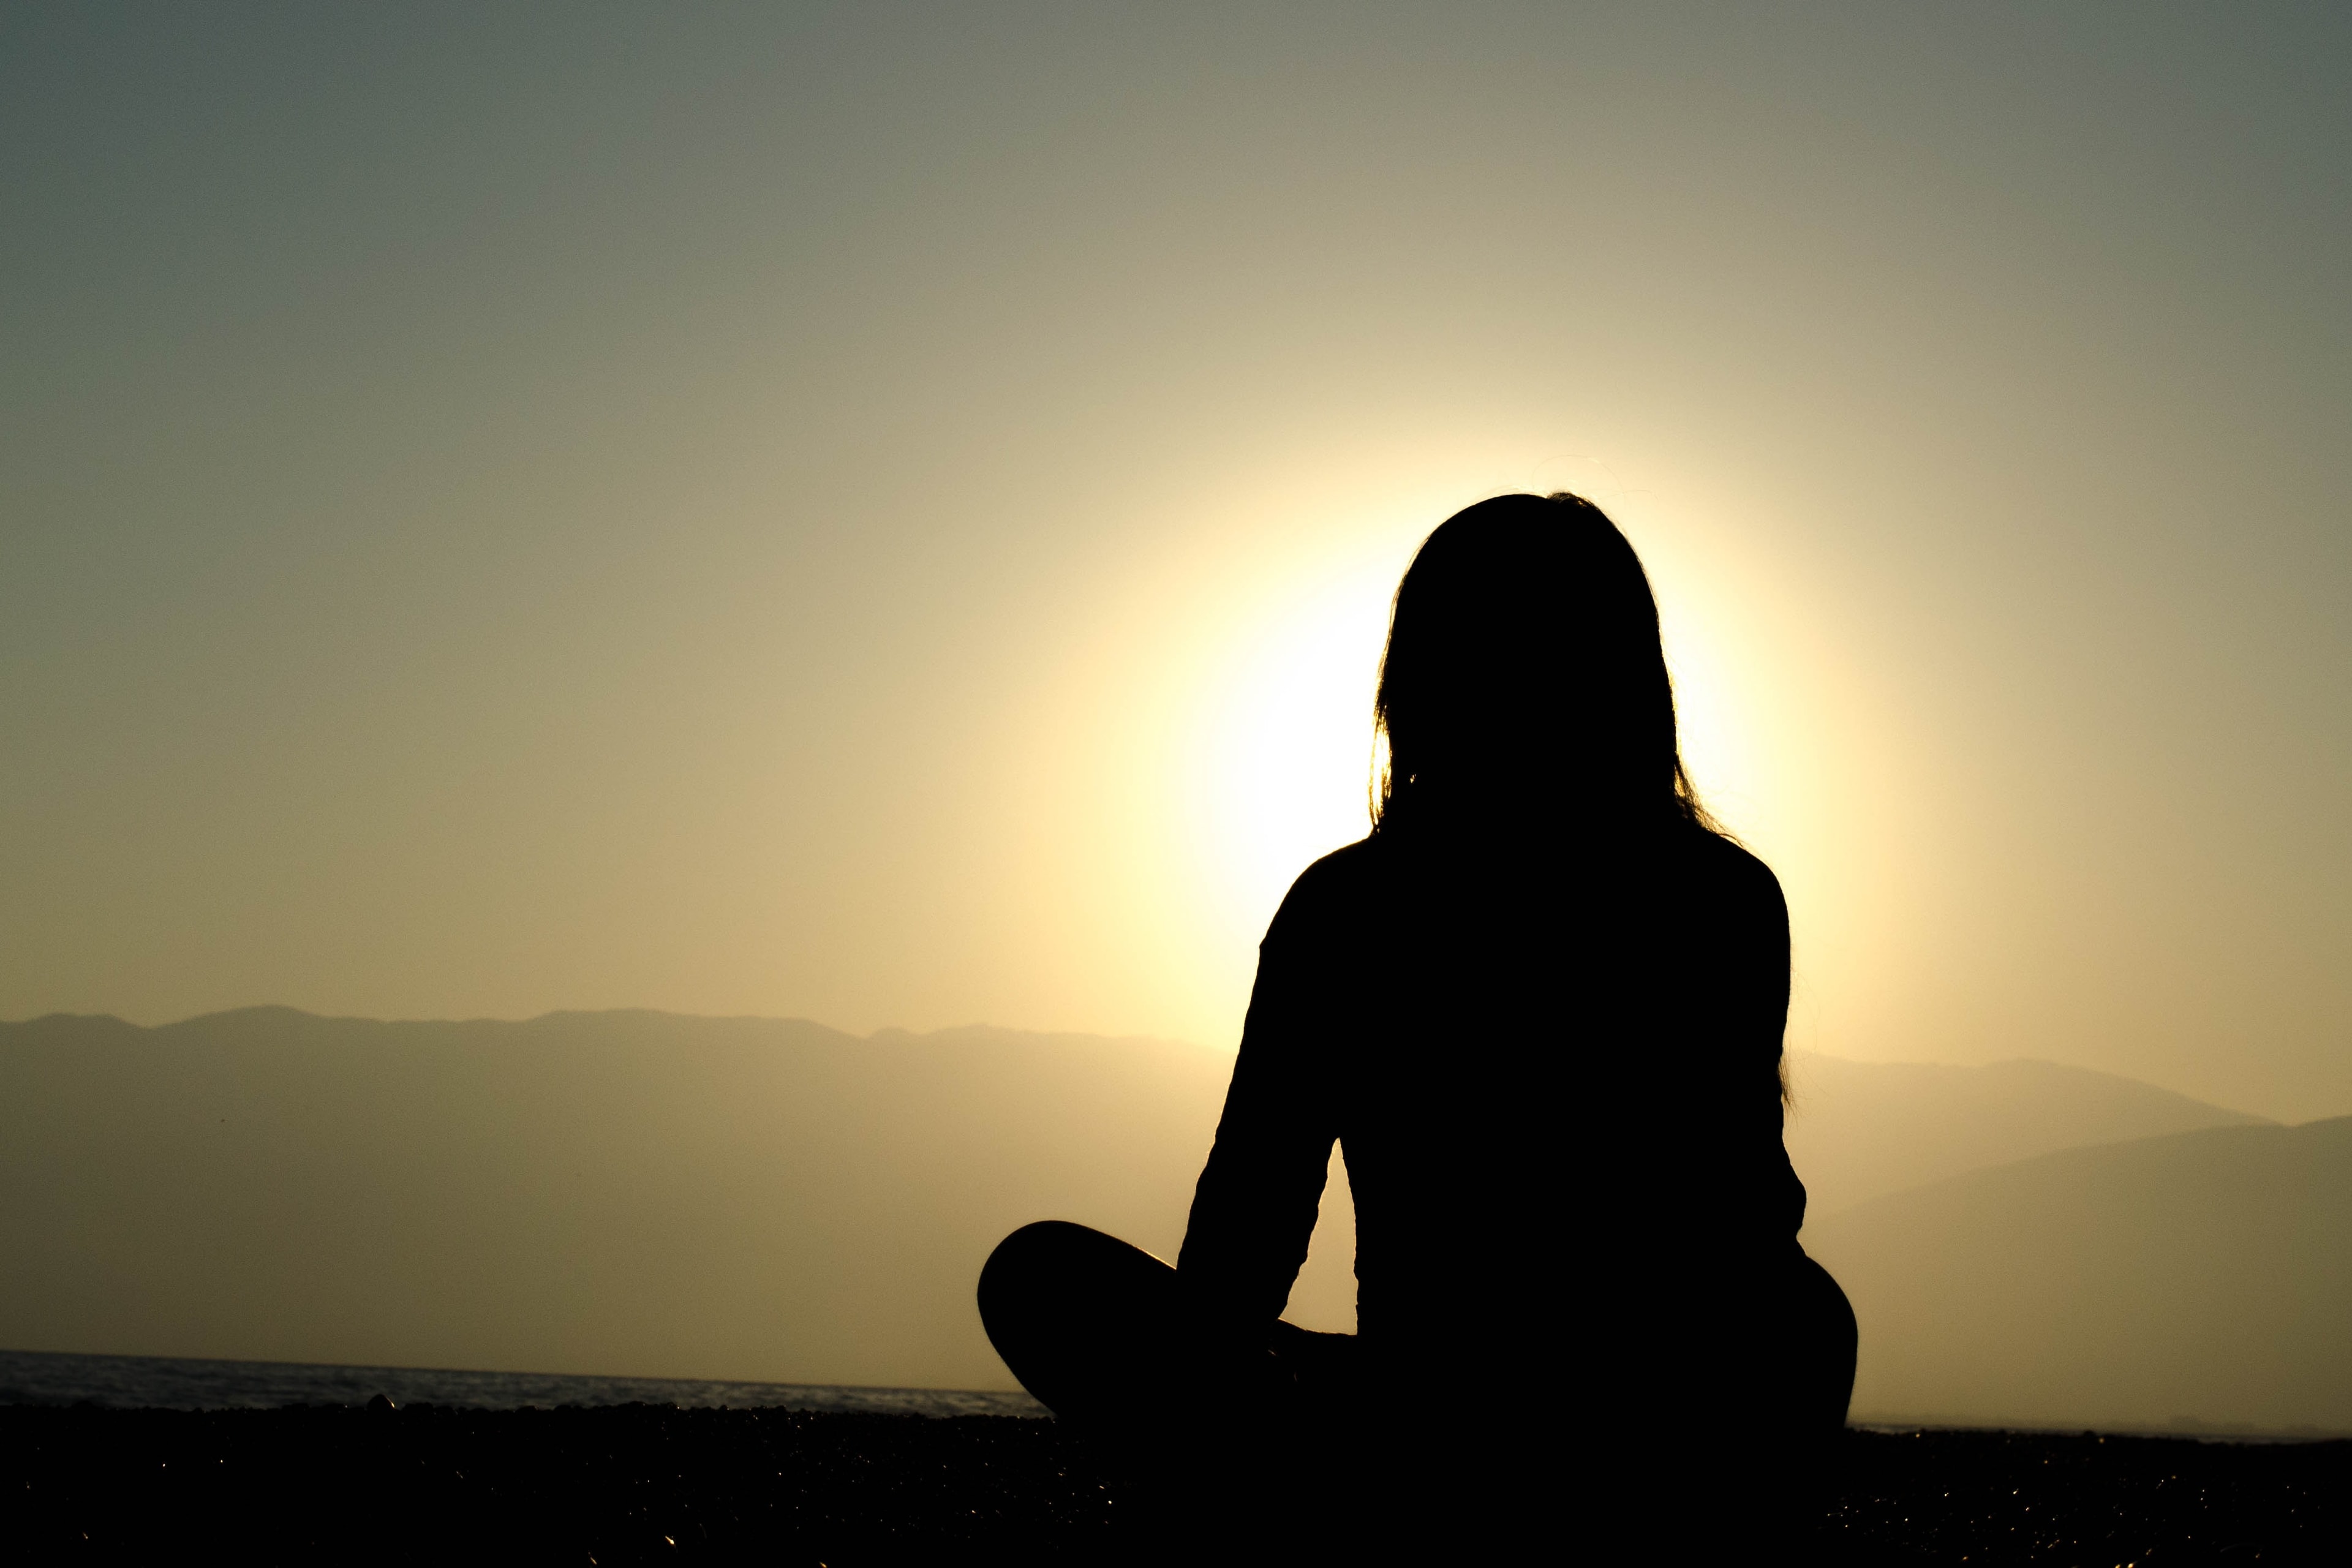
(1282, 747)
(1285, 738)
(1713, 726)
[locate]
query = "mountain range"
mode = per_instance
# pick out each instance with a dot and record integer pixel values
(647, 1194)
(1858, 1131)
(2199, 1279)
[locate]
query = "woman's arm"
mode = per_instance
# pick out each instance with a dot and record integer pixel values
(1758, 1024)
(1254, 1211)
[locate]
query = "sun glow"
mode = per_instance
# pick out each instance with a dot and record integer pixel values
(1283, 745)
(1286, 741)
(1714, 736)
(1205, 780)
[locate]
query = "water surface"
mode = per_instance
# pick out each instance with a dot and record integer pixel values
(166, 1382)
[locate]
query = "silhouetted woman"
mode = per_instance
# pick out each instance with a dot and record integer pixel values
(1539, 1008)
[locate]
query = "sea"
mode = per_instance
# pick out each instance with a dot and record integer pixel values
(169, 1383)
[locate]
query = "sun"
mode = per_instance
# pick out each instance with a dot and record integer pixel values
(1285, 751)
(1283, 743)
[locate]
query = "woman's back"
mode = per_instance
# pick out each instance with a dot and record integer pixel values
(1533, 1055)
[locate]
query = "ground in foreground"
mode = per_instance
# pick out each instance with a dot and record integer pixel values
(636, 1482)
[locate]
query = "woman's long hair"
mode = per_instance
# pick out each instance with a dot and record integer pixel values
(1524, 671)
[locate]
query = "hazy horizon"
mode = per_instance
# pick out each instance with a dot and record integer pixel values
(886, 513)
(1801, 1090)
(643, 1194)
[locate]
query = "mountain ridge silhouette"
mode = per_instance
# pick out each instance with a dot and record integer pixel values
(643, 1191)
(2186, 1280)
(1903, 1124)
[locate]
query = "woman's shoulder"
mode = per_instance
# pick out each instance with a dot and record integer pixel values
(1346, 867)
(1718, 856)
(1335, 892)
(1727, 872)
(1339, 882)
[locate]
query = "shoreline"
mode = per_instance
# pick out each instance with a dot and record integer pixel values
(58, 1378)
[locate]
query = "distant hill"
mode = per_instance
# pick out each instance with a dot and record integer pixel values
(619, 1193)
(1861, 1130)
(641, 1193)
(2204, 1275)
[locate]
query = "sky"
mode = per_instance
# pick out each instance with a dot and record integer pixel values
(885, 513)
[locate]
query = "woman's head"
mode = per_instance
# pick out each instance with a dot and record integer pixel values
(1523, 672)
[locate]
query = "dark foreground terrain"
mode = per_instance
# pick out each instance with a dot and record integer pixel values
(634, 1483)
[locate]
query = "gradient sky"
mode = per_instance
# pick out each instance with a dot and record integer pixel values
(885, 513)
